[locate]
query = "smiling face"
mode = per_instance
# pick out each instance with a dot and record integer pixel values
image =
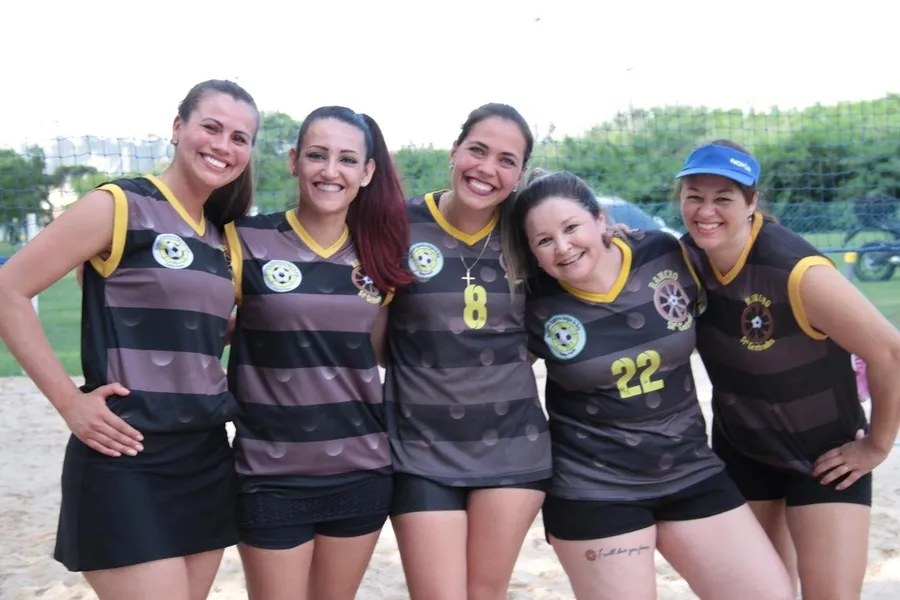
(566, 239)
(715, 211)
(488, 163)
(331, 165)
(214, 143)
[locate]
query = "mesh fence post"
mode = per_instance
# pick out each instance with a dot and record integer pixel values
(31, 231)
(850, 259)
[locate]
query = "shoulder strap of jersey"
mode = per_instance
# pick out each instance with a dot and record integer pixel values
(106, 267)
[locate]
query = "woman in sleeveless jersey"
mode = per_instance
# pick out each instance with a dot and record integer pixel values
(468, 433)
(632, 468)
(776, 341)
(148, 477)
(313, 285)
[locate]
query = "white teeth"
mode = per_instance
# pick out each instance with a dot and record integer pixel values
(707, 226)
(328, 187)
(214, 162)
(480, 185)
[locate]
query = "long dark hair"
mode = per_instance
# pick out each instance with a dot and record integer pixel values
(377, 219)
(233, 200)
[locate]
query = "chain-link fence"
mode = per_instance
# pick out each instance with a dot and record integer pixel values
(831, 173)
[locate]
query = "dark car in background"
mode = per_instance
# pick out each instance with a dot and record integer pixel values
(623, 211)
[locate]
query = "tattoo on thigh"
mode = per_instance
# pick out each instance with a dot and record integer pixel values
(593, 555)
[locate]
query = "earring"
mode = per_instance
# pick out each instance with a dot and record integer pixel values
(451, 165)
(516, 189)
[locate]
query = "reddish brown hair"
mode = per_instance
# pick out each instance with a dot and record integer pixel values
(377, 217)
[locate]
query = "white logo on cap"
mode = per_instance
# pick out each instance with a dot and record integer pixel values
(740, 164)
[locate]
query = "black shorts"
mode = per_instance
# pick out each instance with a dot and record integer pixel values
(418, 494)
(275, 520)
(759, 481)
(576, 520)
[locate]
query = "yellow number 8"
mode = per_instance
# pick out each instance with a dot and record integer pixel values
(475, 312)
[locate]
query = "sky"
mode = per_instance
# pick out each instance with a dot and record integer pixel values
(78, 68)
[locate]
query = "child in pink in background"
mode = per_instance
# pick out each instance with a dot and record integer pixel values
(862, 385)
(862, 382)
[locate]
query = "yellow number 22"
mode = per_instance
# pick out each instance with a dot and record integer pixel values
(475, 312)
(625, 369)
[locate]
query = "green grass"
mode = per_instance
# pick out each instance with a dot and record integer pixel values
(60, 311)
(883, 294)
(59, 308)
(6, 249)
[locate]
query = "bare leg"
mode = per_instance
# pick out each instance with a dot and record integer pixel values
(167, 578)
(832, 543)
(201, 571)
(499, 519)
(277, 574)
(725, 557)
(612, 568)
(433, 550)
(772, 515)
(339, 564)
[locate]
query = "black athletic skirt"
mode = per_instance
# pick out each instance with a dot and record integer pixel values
(175, 498)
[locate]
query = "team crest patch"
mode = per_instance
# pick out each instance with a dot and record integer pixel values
(172, 252)
(565, 336)
(281, 275)
(671, 301)
(425, 260)
(757, 324)
(365, 285)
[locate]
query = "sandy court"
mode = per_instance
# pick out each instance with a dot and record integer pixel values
(32, 441)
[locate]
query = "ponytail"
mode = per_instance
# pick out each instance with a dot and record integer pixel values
(231, 201)
(378, 221)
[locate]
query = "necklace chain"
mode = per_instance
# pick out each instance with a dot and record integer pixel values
(468, 278)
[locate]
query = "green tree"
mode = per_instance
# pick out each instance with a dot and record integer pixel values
(24, 186)
(276, 189)
(422, 170)
(816, 162)
(64, 174)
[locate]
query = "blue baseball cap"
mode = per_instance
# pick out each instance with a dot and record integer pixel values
(721, 160)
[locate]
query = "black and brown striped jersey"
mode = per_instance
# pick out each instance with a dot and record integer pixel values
(463, 406)
(155, 313)
(783, 393)
(302, 365)
(625, 421)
